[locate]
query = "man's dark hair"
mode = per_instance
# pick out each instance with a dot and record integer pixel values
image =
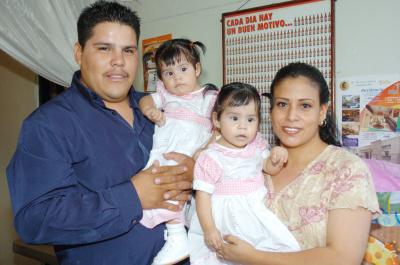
(103, 11)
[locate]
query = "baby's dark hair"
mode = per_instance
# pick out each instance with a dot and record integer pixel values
(170, 53)
(237, 94)
(328, 132)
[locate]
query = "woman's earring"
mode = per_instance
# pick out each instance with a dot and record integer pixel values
(323, 123)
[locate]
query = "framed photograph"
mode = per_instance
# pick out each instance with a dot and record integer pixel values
(257, 42)
(149, 47)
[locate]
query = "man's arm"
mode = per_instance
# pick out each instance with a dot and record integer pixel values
(52, 205)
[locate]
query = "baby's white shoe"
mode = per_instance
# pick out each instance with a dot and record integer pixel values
(176, 247)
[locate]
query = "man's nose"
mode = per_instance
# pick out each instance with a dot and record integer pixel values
(117, 58)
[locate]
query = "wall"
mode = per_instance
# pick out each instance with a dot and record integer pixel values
(18, 97)
(367, 39)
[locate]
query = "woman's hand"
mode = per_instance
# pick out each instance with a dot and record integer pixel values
(236, 250)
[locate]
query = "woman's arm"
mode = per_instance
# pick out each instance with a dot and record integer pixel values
(347, 235)
(212, 236)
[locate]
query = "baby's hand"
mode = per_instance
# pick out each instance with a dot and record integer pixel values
(156, 116)
(213, 239)
(279, 156)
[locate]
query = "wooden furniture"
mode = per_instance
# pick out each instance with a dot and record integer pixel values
(42, 253)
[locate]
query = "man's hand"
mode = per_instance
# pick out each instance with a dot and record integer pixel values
(179, 178)
(158, 184)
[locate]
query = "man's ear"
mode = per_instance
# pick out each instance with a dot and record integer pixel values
(78, 53)
(215, 120)
(198, 69)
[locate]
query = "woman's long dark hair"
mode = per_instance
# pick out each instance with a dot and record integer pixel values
(328, 131)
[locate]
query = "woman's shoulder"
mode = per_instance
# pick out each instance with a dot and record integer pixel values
(339, 162)
(340, 155)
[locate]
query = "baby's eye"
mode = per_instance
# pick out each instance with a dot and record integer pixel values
(168, 74)
(305, 106)
(234, 118)
(183, 69)
(251, 119)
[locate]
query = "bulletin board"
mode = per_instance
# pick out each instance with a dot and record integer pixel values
(257, 42)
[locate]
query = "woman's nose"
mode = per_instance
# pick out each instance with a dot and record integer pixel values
(292, 113)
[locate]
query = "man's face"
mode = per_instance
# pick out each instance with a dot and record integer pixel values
(108, 61)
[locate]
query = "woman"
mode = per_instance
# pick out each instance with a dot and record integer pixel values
(324, 194)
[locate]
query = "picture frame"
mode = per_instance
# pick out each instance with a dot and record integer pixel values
(149, 47)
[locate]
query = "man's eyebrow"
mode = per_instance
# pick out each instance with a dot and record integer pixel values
(100, 43)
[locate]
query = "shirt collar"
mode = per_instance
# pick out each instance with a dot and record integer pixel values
(92, 97)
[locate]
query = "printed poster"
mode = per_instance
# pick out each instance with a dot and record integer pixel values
(368, 109)
(368, 113)
(257, 42)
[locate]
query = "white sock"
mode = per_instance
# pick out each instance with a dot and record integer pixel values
(175, 228)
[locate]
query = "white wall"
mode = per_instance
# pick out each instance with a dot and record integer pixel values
(18, 98)
(367, 37)
(367, 32)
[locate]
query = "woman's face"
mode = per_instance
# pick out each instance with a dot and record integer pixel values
(297, 113)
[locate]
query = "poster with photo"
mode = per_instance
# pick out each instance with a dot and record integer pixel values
(149, 47)
(368, 114)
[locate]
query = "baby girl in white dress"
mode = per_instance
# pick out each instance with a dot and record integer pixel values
(229, 182)
(181, 108)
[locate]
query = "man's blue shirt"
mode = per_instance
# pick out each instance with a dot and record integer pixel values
(69, 180)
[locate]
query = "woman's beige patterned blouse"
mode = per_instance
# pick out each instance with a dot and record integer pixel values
(336, 179)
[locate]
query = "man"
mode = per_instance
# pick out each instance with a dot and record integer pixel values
(75, 179)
